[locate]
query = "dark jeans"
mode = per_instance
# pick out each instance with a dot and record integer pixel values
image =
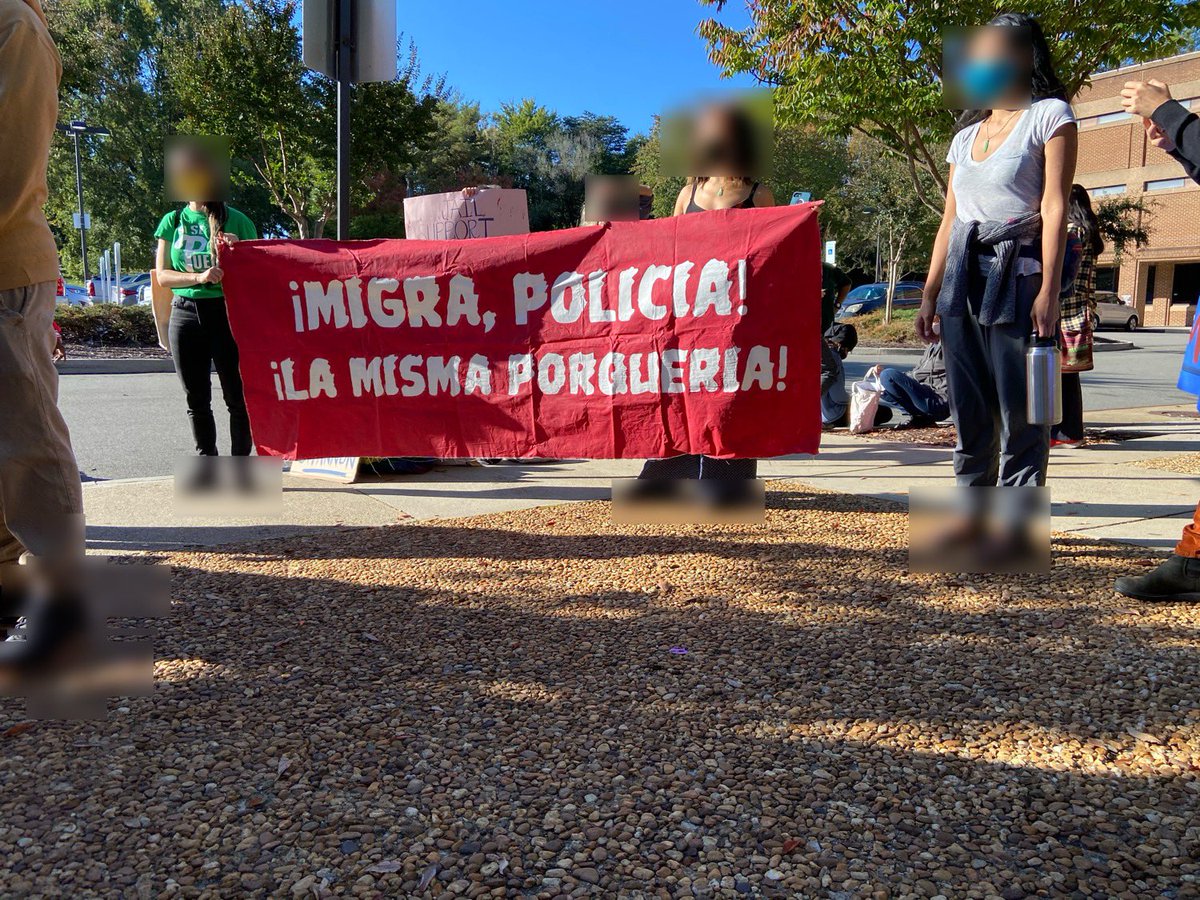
(902, 391)
(702, 467)
(985, 366)
(200, 340)
(1071, 426)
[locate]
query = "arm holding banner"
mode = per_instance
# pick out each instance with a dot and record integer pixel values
(688, 335)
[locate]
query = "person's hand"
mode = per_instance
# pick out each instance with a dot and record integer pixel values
(211, 275)
(227, 239)
(60, 352)
(469, 192)
(924, 322)
(874, 371)
(1157, 137)
(1142, 98)
(1045, 314)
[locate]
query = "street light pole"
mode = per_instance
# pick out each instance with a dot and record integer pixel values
(75, 128)
(79, 191)
(344, 30)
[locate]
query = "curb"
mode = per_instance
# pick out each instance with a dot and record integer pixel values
(1102, 346)
(114, 366)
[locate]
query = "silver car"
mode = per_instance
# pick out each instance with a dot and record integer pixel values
(1112, 313)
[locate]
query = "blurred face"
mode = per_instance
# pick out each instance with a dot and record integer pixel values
(989, 68)
(717, 146)
(197, 170)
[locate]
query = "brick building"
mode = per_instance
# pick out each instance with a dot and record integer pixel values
(1163, 278)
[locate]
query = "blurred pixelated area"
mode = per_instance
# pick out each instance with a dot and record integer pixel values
(730, 135)
(197, 168)
(58, 624)
(979, 530)
(661, 501)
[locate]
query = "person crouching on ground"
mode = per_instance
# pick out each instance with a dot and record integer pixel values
(189, 242)
(840, 338)
(922, 393)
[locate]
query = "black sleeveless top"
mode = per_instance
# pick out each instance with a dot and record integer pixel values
(693, 206)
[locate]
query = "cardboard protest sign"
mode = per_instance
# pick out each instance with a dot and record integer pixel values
(493, 212)
(335, 468)
(694, 334)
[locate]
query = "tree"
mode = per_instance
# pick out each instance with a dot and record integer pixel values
(281, 118)
(1125, 222)
(874, 67)
(879, 202)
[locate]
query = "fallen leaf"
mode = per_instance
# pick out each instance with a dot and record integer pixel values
(388, 865)
(19, 728)
(427, 876)
(284, 763)
(790, 844)
(370, 637)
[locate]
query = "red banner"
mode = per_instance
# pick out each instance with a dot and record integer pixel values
(694, 334)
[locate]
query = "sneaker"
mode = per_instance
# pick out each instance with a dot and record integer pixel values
(1064, 442)
(1176, 580)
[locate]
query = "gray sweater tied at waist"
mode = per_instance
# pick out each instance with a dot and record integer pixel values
(999, 306)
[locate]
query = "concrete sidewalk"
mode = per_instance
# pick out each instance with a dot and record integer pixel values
(1096, 490)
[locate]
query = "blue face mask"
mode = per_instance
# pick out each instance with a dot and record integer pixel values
(986, 80)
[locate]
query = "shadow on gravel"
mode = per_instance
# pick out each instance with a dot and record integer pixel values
(504, 690)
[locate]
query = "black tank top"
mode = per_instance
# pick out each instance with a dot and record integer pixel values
(693, 206)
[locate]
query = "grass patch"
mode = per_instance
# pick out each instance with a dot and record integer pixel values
(107, 325)
(899, 331)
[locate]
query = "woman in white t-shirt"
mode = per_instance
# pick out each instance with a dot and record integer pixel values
(997, 262)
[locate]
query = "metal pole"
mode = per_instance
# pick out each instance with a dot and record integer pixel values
(344, 17)
(876, 255)
(82, 222)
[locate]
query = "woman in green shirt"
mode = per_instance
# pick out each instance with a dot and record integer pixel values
(189, 264)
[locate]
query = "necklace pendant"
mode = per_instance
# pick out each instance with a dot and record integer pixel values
(986, 142)
(720, 192)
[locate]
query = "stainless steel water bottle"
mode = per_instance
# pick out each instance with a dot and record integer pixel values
(1043, 382)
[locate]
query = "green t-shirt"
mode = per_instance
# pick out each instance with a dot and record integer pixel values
(188, 242)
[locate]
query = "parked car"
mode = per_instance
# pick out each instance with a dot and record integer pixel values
(1111, 312)
(869, 298)
(70, 294)
(127, 292)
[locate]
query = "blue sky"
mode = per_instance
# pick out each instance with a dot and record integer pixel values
(612, 57)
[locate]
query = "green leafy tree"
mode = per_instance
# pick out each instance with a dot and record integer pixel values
(281, 118)
(874, 67)
(883, 211)
(1125, 222)
(112, 63)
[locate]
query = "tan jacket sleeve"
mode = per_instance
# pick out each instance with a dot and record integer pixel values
(29, 72)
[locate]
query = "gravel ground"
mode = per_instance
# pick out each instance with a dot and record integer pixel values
(1183, 463)
(497, 707)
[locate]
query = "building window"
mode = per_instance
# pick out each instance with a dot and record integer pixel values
(1107, 190)
(1105, 118)
(1166, 184)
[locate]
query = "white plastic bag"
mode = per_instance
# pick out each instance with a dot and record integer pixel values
(864, 401)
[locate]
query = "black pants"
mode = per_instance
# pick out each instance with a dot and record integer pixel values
(702, 467)
(200, 340)
(1071, 426)
(985, 367)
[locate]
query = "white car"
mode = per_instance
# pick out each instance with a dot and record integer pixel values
(1111, 312)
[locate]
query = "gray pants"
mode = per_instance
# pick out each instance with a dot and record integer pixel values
(41, 503)
(985, 368)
